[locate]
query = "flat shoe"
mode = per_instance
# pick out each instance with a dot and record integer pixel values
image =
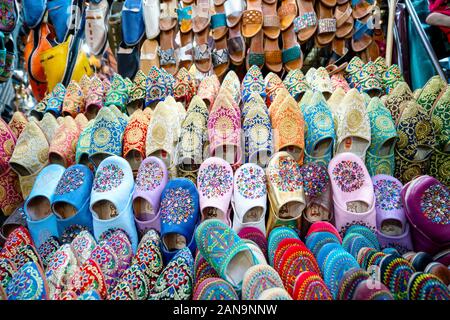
(214, 289)
(258, 279)
(275, 237)
(310, 286)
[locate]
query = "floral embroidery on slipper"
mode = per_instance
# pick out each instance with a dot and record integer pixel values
(348, 175)
(215, 181)
(109, 177)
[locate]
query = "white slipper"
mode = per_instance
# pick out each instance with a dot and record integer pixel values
(151, 18)
(96, 26)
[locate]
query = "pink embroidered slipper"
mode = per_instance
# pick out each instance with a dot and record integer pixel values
(95, 97)
(63, 147)
(353, 195)
(215, 187)
(249, 197)
(151, 180)
(208, 90)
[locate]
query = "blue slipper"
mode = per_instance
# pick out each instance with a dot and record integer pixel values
(133, 27)
(253, 83)
(40, 219)
(325, 252)
(60, 14)
(111, 198)
(353, 242)
(70, 202)
(89, 295)
(276, 236)
(317, 240)
(28, 283)
(366, 233)
(33, 12)
(335, 267)
(179, 213)
(222, 249)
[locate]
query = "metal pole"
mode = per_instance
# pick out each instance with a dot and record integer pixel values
(424, 38)
(390, 31)
(399, 48)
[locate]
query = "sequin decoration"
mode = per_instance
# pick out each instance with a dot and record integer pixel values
(214, 180)
(286, 175)
(348, 175)
(387, 193)
(107, 178)
(251, 183)
(435, 204)
(71, 180)
(315, 179)
(149, 176)
(177, 206)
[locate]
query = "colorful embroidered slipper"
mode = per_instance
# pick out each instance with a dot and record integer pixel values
(215, 185)
(106, 258)
(89, 277)
(249, 198)
(176, 280)
(41, 222)
(323, 226)
(310, 286)
(120, 243)
(17, 123)
(335, 266)
(397, 99)
(283, 246)
(148, 256)
(420, 260)
(393, 229)
(371, 289)
(19, 237)
(274, 85)
(253, 82)
(430, 92)
(319, 126)
(257, 279)
(395, 274)
(224, 251)
(134, 139)
(63, 146)
(406, 170)
(28, 283)
(326, 25)
(423, 286)
(353, 242)
(184, 88)
(428, 216)
(441, 121)
(275, 294)
(61, 268)
(439, 166)
(24, 254)
(208, 90)
(7, 271)
(350, 281)
(439, 270)
(74, 100)
(415, 131)
(82, 246)
(136, 280)
(353, 195)
(151, 179)
(296, 84)
(118, 93)
(366, 233)
(111, 198)
(353, 130)
(275, 237)
(256, 236)
(370, 80)
(179, 214)
(391, 78)
(137, 93)
(214, 289)
(380, 155)
(318, 193)
(203, 269)
(288, 120)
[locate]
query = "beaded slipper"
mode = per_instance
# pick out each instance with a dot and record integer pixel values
(214, 289)
(395, 274)
(258, 279)
(310, 286)
(423, 286)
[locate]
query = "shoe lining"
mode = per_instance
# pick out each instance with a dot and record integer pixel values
(98, 158)
(294, 151)
(134, 158)
(422, 153)
(39, 208)
(291, 210)
(213, 213)
(174, 241)
(105, 210)
(391, 227)
(322, 147)
(20, 169)
(64, 210)
(253, 215)
(237, 267)
(357, 206)
(91, 112)
(56, 159)
(143, 210)
(163, 155)
(387, 147)
(356, 145)
(316, 212)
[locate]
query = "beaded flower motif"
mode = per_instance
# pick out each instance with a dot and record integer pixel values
(387, 194)
(286, 175)
(214, 180)
(177, 206)
(149, 176)
(107, 178)
(315, 179)
(71, 180)
(348, 175)
(435, 204)
(251, 183)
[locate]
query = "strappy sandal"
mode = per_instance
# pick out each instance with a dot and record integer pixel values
(149, 55)
(271, 20)
(287, 13)
(272, 55)
(255, 55)
(344, 20)
(168, 16)
(167, 55)
(200, 16)
(219, 22)
(252, 18)
(362, 8)
(292, 56)
(326, 25)
(236, 44)
(220, 57)
(362, 34)
(305, 25)
(233, 11)
(185, 54)
(202, 51)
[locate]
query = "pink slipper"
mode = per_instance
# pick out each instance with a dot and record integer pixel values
(353, 195)
(215, 186)
(151, 180)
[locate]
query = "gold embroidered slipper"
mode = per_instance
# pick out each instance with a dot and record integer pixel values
(430, 92)
(440, 117)
(396, 100)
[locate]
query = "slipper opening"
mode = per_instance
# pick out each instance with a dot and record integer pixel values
(84, 159)
(356, 145)
(291, 210)
(228, 152)
(294, 151)
(105, 210)
(20, 169)
(253, 215)
(237, 267)
(163, 155)
(39, 208)
(174, 241)
(143, 210)
(422, 152)
(7, 229)
(317, 212)
(357, 206)
(213, 213)
(56, 159)
(64, 210)
(387, 147)
(98, 158)
(322, 147)
(91, 111)
(133, 106)
(391, 227)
